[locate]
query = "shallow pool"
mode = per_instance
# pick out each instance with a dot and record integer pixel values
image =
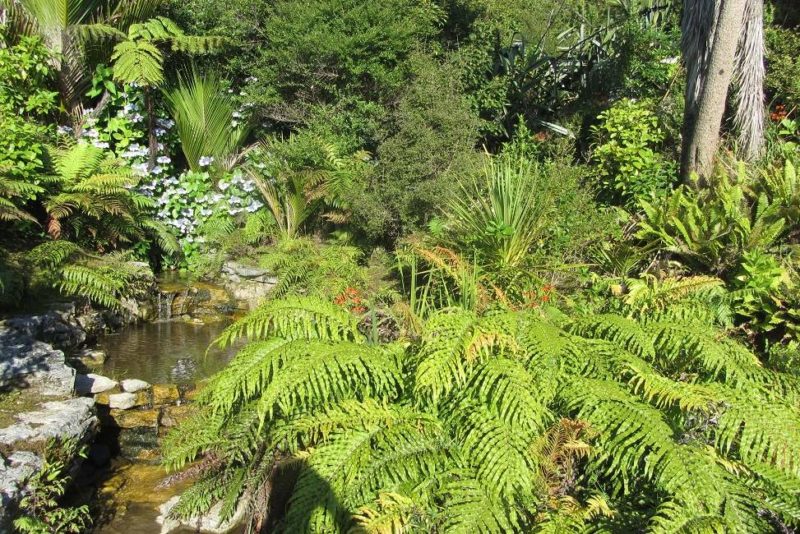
(165, 352)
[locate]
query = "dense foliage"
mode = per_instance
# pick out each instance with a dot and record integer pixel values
(498, 306)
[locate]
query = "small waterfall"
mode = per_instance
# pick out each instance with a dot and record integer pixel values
(165, 305)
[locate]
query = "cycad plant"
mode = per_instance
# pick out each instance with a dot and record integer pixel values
(205, 116)
(503, 422)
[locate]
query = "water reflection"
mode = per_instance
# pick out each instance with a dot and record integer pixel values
(165, 352)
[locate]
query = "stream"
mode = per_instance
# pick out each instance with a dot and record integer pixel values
(161, 352)
(165, 352)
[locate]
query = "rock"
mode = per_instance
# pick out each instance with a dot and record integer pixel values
(165, 394)
(209, 523)
(93, 355)
(71, 418)
(92, 383)
(89, 358)
(134, 418)
(138, 443)
(14, 471)
(26, 363)
(172, 415)
(122, 401)
(59, 327)
(142, 398)
(245, 271)
(248, 285)
(132, 385)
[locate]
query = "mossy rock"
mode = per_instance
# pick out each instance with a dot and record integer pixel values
(165, 394)
(134, 418)
(173, 415)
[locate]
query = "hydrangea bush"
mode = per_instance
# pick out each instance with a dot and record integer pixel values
(184, 200)
(191, 199)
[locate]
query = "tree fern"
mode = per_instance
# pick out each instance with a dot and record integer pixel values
(497, 423)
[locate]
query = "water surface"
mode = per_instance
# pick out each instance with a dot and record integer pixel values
(165, 352)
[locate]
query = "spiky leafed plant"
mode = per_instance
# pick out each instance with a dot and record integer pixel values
(501, 212)
(302, 175)
(205, 117)
(506, 422)
(68, 27)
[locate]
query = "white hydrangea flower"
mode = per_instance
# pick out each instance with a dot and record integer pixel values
(205, 161)
(254, 206)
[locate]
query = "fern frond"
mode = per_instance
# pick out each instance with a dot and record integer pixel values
(294, 318)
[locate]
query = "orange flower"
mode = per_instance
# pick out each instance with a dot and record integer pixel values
(779, 114)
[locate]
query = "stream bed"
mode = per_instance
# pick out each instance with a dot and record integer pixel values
(161, 352)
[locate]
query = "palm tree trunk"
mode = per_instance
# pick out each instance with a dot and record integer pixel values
(702, 125)
(749, 82)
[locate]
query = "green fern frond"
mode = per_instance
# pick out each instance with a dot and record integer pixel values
(294, 318)
(625, 332)
(472, 507)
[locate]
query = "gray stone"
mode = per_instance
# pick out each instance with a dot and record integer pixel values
(245, 271)
(59, 327)
(132, 385)
(209, 523)
(71, 418)
(14, 471)
(122, 401)
(92, 383)
(25, 363)
(68, 419)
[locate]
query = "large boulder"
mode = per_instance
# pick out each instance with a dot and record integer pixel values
(247, 284)
(26, 363)
(66, 419)
(14, 471)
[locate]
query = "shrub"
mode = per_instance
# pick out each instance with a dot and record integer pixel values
(431, 143)
(40, 510)
(625, 144)
(783, 66)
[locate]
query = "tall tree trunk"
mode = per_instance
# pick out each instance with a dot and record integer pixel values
(152, 143)
(749, 82)
(702, 123)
